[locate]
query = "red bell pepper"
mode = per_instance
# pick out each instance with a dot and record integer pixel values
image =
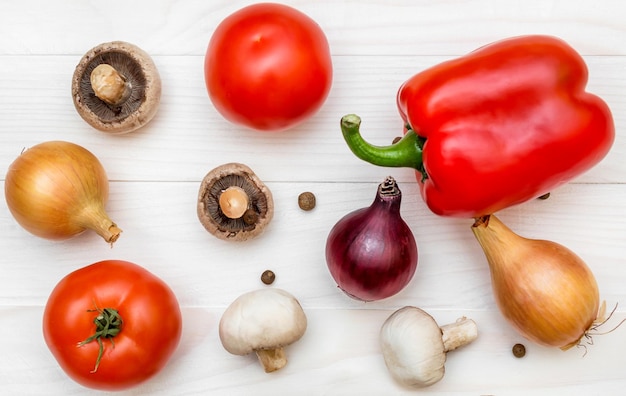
(499, 126)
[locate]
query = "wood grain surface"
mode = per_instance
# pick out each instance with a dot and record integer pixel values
(155, 174)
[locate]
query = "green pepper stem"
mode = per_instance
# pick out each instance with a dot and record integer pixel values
(406, 153)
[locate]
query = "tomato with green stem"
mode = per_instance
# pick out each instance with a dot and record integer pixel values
(112, 325)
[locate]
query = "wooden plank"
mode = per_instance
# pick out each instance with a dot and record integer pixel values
(353, 27)
(162, 233)
(155, 174)
(190, 136)
(339, 354)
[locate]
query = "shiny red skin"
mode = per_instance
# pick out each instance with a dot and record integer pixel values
(504, 124)
(151, 329)
(371, 253)
(268, 67)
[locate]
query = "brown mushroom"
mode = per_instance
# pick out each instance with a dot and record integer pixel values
(116, 87)
(233, 203)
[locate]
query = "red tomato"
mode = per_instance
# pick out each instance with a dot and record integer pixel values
(268, 67)
(149, 333)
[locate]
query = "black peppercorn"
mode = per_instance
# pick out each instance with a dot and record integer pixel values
(519, 350)
(268, 277)
(306, 201)
(545, 196)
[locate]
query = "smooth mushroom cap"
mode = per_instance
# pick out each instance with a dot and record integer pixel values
(412, 347)
(262, 319)
(138, 67)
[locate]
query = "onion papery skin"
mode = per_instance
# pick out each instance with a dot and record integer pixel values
(371, 252)
(56, 190)
(543, 289)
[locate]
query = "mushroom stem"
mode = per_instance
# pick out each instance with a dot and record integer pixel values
(458, 334)
(109, 85)
(234, 202)
(272, 359)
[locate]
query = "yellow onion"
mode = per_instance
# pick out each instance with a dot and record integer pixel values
(56, 190)
(543, 289)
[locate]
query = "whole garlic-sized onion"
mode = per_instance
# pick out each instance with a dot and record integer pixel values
(543, 289)
(56, 190)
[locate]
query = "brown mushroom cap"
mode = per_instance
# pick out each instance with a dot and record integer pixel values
(261, 204)
(136, 66)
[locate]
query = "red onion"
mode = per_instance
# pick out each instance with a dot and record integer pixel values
(371, 252)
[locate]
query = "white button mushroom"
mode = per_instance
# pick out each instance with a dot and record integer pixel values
(263, 321)
(414, 346)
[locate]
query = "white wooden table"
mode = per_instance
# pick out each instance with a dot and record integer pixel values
(155, 174)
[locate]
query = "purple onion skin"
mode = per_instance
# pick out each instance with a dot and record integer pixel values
(371, 253)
